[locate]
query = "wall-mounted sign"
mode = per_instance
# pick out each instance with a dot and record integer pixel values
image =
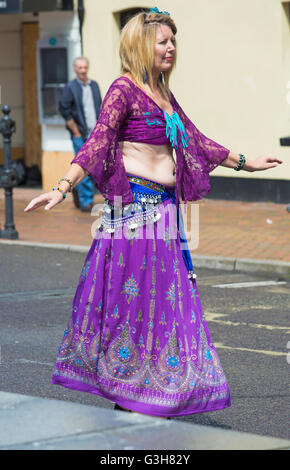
(10, 6)
(46, 5)
(23, 6)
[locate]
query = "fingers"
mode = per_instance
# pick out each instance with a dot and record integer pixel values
(50, 205)
(269, 165)
(274, 159)
(265, 163)
(34, 204)
(272, 162)
(272, 165)
(49, 199)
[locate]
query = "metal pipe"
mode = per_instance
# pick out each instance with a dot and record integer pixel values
(8, 177)
(81, 13)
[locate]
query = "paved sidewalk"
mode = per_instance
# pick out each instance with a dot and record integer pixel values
(227, 229)
(32, 423)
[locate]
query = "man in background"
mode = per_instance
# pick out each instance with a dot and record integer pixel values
(80, 105)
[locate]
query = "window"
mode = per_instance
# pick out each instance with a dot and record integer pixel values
(126, 15)
(54, 76)
(52, 65)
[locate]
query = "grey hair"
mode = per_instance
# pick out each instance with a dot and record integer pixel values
(80, 58)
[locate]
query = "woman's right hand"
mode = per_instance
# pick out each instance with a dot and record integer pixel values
(49, 199)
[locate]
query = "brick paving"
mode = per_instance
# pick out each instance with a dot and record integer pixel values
(230, 229)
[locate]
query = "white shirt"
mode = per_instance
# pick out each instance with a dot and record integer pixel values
(88, 105)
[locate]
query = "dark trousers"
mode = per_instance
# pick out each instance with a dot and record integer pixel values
(85, 188)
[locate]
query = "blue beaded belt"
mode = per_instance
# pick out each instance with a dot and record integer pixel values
(147, 183)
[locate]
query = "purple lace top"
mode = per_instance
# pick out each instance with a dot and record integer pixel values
(128, 114)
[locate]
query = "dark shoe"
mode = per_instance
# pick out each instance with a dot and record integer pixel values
(117, 407)
(87, 208)
(76, 198)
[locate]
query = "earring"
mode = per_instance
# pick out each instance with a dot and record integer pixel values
(145, 76)
(161, 77)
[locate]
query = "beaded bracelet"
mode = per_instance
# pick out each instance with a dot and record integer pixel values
(61, 191)
(241, 163)
(69, 182)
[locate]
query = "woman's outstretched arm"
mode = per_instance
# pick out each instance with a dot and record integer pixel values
(75, 174)
(100, 155)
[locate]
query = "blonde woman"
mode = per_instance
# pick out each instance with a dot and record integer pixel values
(137, 335)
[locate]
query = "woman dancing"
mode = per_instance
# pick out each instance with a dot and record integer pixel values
(137, 334)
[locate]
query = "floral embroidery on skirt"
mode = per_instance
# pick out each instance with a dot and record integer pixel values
(137, 334)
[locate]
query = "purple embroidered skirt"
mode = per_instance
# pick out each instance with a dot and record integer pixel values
(137, 334)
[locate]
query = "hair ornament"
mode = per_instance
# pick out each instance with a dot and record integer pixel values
(155, 10)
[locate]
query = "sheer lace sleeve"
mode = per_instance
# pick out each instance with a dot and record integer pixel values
(201, 157)
(101, 154)
(212, 153)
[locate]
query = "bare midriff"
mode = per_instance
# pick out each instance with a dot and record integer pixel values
(154, 162)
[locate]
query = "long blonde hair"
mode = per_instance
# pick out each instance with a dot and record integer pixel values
(137, 48)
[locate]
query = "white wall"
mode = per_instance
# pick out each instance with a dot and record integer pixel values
(232, 72)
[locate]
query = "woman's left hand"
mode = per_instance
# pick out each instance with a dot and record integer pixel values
(264, 163)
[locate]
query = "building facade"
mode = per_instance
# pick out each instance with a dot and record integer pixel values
(38, 42)
(232, 79)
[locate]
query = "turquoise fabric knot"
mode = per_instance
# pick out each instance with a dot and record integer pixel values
(173, 123)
